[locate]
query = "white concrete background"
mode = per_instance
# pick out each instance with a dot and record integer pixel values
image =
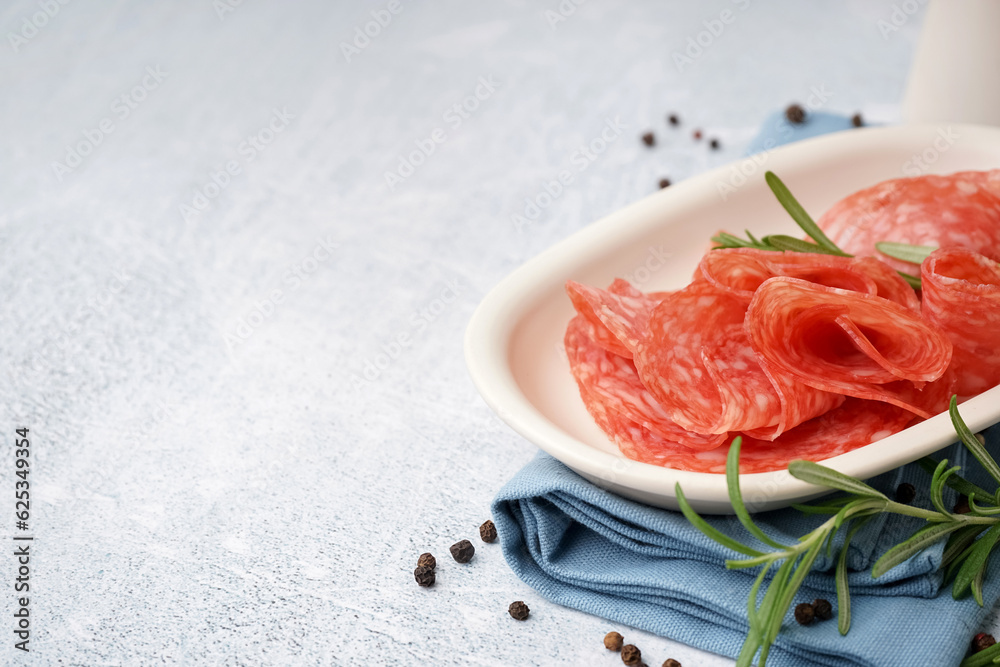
(215, 487)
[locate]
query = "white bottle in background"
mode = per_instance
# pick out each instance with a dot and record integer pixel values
(955, 75)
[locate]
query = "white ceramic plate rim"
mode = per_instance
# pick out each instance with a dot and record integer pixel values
(489, 332)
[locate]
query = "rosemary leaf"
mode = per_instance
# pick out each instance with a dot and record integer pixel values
(799, 215)
(938, 481)
(977, 584)
(736, 498)
(726, 240)
(983, 658)
(788, 592)
(912, 281)
(978, 558)
(752, 600)
(958, 542)
(919, 541)
(711, 532)
(814, 473)
(769, 607)
(843, 592)
(979, 509)
(792, 244)
(971, 442)
(963, 486)
(914, 254)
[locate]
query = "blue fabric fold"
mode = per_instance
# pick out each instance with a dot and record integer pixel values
(648, 568)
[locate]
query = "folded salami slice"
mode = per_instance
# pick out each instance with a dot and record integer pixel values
(610, 383)
(854, 424)
(958, 210)
(697, 362)
(961, 296)
(742, 270)
(619, 313)
(846, 342)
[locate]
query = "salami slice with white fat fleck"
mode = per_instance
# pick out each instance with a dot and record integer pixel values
(854, 424)
(847, 342)
(619, 313)
(609, 383)
(741, 271)
(961, 296)
(697, 361)
(959, 210)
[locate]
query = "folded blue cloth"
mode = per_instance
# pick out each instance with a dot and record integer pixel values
(648, 568)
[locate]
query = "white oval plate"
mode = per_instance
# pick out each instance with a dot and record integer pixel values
(513, 344)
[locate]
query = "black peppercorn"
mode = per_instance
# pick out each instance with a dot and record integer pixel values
(822, 609)
(905, 493)
(856, 120)
(961, 506)
(795, 114)
(518, 610)
(804, 613)
(982, 641)
(631, 655)
(697, 135)
(673, 120)
(649, 138)
(714, 144)
(427, 560)
(664, 183)
(670, 662)
(488, 531)
(424, 576)
(613, 641)
(462, 551)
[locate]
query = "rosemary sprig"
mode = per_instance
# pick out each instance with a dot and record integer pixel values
(821, 242)
(973, 538)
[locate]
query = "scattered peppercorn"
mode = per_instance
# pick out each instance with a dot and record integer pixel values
(613, 641)
(961, 506)
(804, 613)
(462, 551)
(670, 662)
(664, 183)
(822, 609)
(424, 576)
(982, 641)
(714, 144)
(518, 610)
(649, 138)
(631, 655)
(488, 531)
(427, 560)
(856, 120)
(697, 135)
(905, 493)
(795, 114)
(673, 120)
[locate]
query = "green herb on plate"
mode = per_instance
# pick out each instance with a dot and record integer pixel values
(821, 243)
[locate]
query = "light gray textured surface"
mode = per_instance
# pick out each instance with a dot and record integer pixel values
(217, 487)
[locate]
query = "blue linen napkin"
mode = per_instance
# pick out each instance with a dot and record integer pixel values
(648, 568)
(586, 548)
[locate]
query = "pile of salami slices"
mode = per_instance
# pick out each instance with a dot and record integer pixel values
(806, 356)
